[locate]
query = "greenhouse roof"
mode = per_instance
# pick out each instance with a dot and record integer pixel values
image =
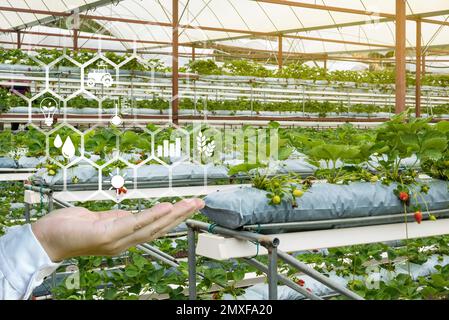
(306, 26)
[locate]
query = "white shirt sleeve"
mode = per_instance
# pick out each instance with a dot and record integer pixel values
(23, 263)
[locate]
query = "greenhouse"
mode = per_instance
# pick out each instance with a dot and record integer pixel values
(224, 150)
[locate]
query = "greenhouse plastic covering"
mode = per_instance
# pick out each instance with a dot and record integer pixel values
(240, 16)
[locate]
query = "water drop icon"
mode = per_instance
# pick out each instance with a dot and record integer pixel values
(58, 142)
(68, 149)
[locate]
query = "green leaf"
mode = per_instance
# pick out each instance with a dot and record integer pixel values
(139, 261)
(285, 152)
(110, 294)
(442, 126)
(132, 271)
(243, 168)
(156, 275)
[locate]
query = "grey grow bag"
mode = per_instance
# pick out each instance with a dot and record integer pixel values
(7, 163)
(241, 206)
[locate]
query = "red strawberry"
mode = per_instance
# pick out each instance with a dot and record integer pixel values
(122, 190)
(403, 196)
(300, 282)
(418, 216)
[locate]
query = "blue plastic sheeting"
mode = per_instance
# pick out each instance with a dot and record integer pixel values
(7, 163)
(241, 206)
(86, 173)
(30, 162)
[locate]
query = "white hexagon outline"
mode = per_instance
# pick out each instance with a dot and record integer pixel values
(37, 96)
(55, 129)
(177, 128)
(116, 158)
(97, 56)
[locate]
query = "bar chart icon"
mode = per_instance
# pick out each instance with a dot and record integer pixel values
(169, 149)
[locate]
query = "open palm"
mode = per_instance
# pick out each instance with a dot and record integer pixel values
(72, 232)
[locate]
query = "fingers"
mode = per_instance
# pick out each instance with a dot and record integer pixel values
(180, 211)
(199, 205)
(127, 225)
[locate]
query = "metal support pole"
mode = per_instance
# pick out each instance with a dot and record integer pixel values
(325, 65)
(192, 262)
(418, 70)
(159, 252)
(19, 39)
(424, 64)
(50, 202)
(280, 54)
(272, 273)
(318, 276)
(175, 62)
(400, 56)
(27, 212)
(193, 53)
(63, 203)
(75, 39)
(283, 279)
(157, 256)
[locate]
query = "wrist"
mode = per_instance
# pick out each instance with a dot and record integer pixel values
(44, 241)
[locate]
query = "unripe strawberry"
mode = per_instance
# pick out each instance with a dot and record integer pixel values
(276, 199)
(298, 193)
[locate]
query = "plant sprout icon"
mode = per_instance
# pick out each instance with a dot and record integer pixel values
(118, 182)
(205, 146)
(48, 108)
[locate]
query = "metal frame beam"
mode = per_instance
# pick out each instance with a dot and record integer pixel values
(19, 39)
(280, 53)
(49, 34)
(387, 17)
(327, 8)
(246, 33)
(401, 86)
(175, 61)
(83, 8)
(75, 39)
(418, 70)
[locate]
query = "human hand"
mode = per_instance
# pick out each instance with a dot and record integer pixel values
(73, 232)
